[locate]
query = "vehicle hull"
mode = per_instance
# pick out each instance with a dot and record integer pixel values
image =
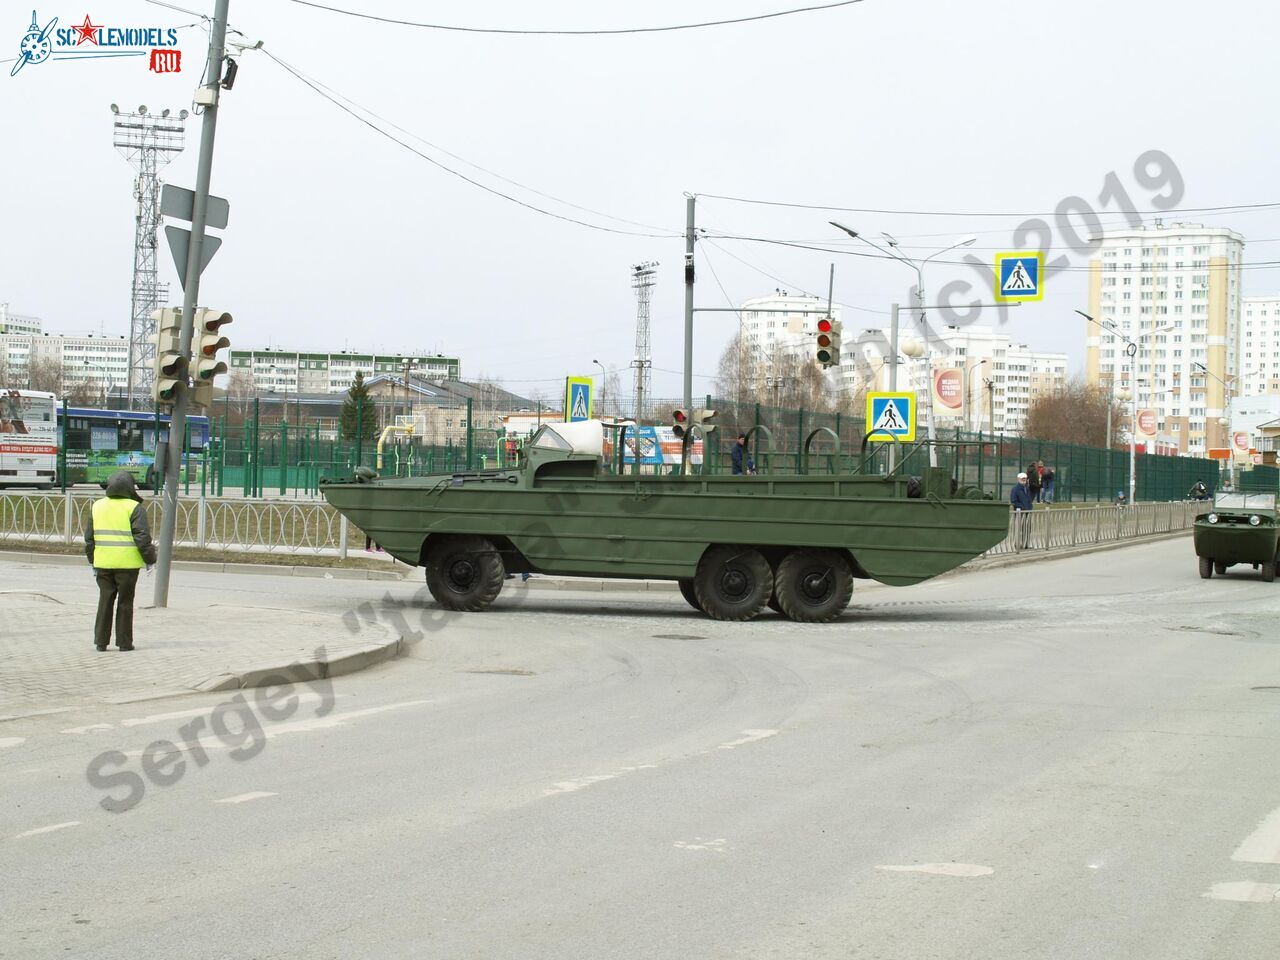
(659, 527)
(1236, 542)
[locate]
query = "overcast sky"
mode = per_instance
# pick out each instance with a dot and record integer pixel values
(340, 238)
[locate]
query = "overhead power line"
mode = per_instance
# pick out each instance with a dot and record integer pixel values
(987, 213)
(337, 101)
(512, 31)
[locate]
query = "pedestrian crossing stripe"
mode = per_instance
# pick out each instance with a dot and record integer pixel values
(892, 414)
(1019, 276)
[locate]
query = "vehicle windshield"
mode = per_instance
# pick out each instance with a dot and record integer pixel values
(1245, 501)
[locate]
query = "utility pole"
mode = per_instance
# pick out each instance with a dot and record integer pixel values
(689, 237)
(191, 293)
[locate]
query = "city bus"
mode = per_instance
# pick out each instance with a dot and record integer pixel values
(100, 442)
(28, 438)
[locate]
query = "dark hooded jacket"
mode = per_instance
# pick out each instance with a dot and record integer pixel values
(122, 486)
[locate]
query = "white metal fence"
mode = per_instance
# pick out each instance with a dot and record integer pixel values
(1057, 529)
(316, 528)
(235, 525)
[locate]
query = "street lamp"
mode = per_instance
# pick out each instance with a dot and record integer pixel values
(968, 392)
(284, 393)
(603, 374)
(106, 378)
(1224, 422)
(918, 266)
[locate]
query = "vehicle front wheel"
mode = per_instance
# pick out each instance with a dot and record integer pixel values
(1206, 568)
(690, 595)
(464, 572)
(733, 583)
(814, 586)
(1269, 571)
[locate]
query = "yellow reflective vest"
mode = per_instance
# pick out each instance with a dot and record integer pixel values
(113, 546)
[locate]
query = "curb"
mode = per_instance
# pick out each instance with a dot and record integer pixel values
(304, 671)
(214, 566)
(1011, 560)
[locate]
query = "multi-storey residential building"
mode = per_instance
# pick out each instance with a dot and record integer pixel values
(1176, 292)
(783, 323)
(17, 323)
(1258, 370)
(101, 362)
(1000, 377)
(285, 371)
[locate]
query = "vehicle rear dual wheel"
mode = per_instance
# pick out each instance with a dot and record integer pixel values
(733, 583)
(1219, 567)
(1206, 568)
(813, 586)
(464, 572)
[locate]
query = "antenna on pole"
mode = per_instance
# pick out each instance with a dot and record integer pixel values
(148, 141)
(642, 281)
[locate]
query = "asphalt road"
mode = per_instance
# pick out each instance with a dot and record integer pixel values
(1064, 759)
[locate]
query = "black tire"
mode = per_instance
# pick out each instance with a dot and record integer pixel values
(464, 572)
(690, 595)
(1206, 568)
(1219, 567)
(733, 583)
(814, 586)
(1269, 571)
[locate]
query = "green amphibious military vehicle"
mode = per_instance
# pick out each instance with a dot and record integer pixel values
(735, 544)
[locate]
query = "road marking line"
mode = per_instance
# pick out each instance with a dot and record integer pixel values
(1263, 845)
(11, 741)
(88, 728)
(1244, 891)
(39, 830)
(942, 869)
(715, 846)
(255, 795)
(749, 736)
(304, 697)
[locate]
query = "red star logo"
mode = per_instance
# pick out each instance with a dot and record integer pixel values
(88, 31)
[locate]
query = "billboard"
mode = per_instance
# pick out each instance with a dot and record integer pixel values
(948, 392)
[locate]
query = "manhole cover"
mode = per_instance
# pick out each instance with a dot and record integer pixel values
(505, 673)
(676, 636)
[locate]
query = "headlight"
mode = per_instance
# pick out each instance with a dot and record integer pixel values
(1254, 520)
(1212, 518)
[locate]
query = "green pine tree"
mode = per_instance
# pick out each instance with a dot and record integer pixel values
(354, 420)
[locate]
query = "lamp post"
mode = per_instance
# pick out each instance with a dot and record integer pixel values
(918, 266)
(106, 378)
(284, 394)
(603, 374)
(968, 392)
(1225, 422)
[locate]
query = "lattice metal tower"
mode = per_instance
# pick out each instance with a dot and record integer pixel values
(148, 142)
(642, 281)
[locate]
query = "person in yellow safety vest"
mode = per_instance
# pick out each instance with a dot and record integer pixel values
(117, 541)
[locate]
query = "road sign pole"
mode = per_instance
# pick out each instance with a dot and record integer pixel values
(893, 374)
(191, 291)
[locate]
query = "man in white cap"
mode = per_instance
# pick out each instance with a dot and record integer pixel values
(1020, 499)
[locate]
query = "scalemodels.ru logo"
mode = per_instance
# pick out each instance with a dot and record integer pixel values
(91, 39)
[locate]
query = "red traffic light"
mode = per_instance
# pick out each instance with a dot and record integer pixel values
(824, 325)
(679, 416)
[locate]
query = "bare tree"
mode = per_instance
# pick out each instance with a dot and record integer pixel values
(612, 391)
(47, 374)
(1075, 414)
(241, 390)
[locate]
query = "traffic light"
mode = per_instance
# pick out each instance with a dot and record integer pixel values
(207, 340)
(170, 364)
(828, 342)
(703, 417)
(679, 423)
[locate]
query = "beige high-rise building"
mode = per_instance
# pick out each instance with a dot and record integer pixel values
(1176, 292)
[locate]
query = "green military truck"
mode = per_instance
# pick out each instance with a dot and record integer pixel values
(735, 544)
(1238, 528)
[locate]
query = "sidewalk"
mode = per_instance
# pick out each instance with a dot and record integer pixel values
(48, 661)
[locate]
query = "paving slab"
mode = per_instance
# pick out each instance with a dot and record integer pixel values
(48, 660)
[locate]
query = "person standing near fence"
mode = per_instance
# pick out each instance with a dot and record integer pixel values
(741, 461)
(1046, 485)
(1033, 480)
(1020, 500)
(117, 541)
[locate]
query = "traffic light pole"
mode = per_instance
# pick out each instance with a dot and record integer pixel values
(190, 296)
(689, 237)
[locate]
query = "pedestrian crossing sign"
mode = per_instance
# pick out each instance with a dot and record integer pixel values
(577, 399)
(1019, 276)
(893, 414)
